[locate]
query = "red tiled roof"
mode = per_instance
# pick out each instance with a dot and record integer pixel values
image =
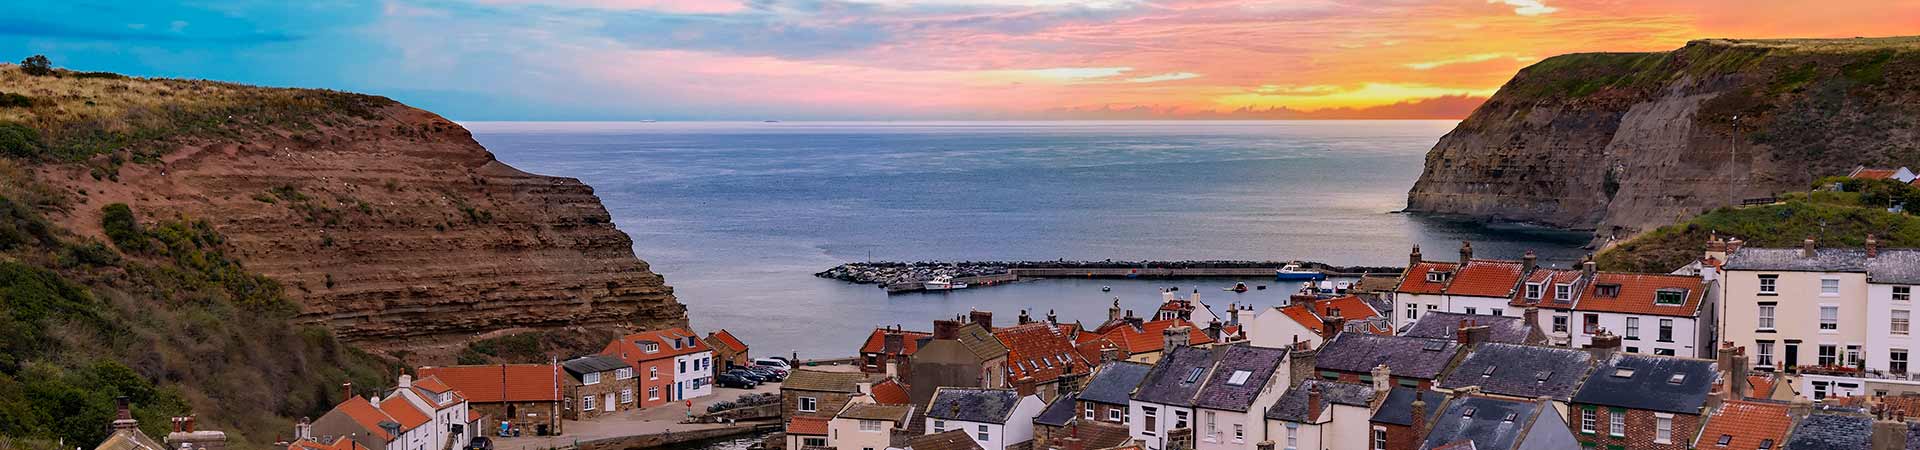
(809, 426)
(1485, 278)
(1040, 351)
(1313, 314)
(1148, 337)
(628, 348)
(890, 392)
(364, 413)
(1415, 280)
(1762, 386)
(1547, 279)
(404, 413)
(1746, 423)
(430, 387)
(727, 339)
(1637, 293)
(485, 384)
(877, 342)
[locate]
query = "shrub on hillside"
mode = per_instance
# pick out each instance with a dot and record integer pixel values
(37, 65)
(12, 100)
(19, 141)
(123, 229)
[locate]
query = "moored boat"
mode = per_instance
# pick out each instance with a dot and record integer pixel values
(1293, 272)
(943, 283)
(1237, 287)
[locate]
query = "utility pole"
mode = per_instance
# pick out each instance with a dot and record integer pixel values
(1733, 152)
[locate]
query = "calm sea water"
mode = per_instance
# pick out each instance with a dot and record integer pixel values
(738, 216)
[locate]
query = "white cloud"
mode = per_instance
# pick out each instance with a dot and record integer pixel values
(1173, 76)
(1528, 7)
(1428, 65)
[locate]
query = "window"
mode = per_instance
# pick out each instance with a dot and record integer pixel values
(1212, 427)
(1897, 360)
(1829, 287)
(1902, 321)
(1113, 415)
(1670, 297)
(1590, 323)
(1293, 436)
(590, 378)
(1662, 428)
(1663, 351)
(870, 426)
(1559, 324)
(1769, 284)
(1413, 311)
(586, 402)
(1766, 316)
(1151, 416)
(1763, 354)
(1089, 412)
(1563, 292)
(626, 396)
(1239, 433)
(939, 426)
(1666, 330)
(1633, 328)
(1607, 290)
(653, 393)
(623, 373)
(1587, 420)
(1239, 378)
(1179, 419)
(1436, 277)
(1902, 293)
(1193, 375)
(1498, 312)
(1534, 291)
(650, 347)
(1853, 355)
(1829, 317)
(1632, 349)
(981, 433)
(683, 366)
(1616, 422)
(809, 404)
(653, 373)
(813, 442)
(1379, 438)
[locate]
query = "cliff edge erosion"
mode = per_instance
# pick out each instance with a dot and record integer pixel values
(388, 224)
(1622, 143)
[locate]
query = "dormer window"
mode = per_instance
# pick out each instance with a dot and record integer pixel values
(1437, 276)
(1607, 290)
(1535, 291)
(650, 347)
(1563, 292)
(1670, 297)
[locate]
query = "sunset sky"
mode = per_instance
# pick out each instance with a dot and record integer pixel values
(895, 59)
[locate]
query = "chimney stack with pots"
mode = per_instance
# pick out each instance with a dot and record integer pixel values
(1024, 317)
(1466, 253)
(1806, 247)
(1528, 261)
(1413, 259)
(984, 318)
(946, 330)
(1176, 336)
(1419, 411)
(1051, 318)
(1382, 379)
(1605, 343)
(1873, 246)
(1313, 403)
(1113, 312)
(1589, 268)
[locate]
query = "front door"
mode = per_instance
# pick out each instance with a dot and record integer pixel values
(1793, 356)
(610, 403)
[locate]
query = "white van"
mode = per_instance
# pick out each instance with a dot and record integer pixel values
(775, 363)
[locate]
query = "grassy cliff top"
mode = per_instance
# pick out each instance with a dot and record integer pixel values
(1784, 65)
(1841, 219)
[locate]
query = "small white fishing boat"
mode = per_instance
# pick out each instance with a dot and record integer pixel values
(943, 283)
(1293, 272)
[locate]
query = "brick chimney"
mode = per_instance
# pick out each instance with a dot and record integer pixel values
(1460, 333)
(1531, 315)
(1419, 411)
(893, 342)
(347, 389)
(1300, 362)
(1589, 268)
(946, 329)
(1413, 259)
(1111, 353)
(1024, 318)
(1024, 386)
(1873, 246)
(1527, 261)
(1051, 318)
(1233, 314)
(1313, 403)
(1605, 343)
(1332, 326)
(984, 318)
(1466, 253)
(1213, 330)
(1113, 312)
(1176, 336)
(1806, 247)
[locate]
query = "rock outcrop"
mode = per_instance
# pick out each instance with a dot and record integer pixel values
(1624, 142)
(398, 232)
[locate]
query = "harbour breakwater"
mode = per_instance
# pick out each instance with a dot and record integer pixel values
(895, 273)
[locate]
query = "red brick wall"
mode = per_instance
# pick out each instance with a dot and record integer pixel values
(1641, 427)
(1399, 437)
(665, 382)
(1100, 411)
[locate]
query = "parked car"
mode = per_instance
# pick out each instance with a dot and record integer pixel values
(480, 443)
(771, 374)
(734, 381)
(748, 374)
(781, 363)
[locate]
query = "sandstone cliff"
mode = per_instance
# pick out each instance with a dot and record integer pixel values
(1625, 142)
(388, 224)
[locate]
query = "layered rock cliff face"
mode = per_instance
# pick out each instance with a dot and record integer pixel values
(396, 229)
(1625, 142)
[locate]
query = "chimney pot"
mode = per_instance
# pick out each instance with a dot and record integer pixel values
(1466, 252)
(984, 318)
(1527, 261)
(1873, 246)
(1413, 259)
(1806, 247)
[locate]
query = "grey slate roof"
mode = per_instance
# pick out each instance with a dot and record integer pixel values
(1397, 409)
(1058, 413)
(1113, 382)
(949, 440)
(1832, 432)
(1793, 259)
(1260, 363)
(1895, 266)
(1444, 325)
(1650, 386)
(1167, 383)
(1521, 371)
(592, 364)
(1292, 406)
(980, 341)
(973, 404)
(1913, 436)
(1488, 427)
(1409, 357)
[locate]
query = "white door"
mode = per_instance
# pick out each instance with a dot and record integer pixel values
(610, 403)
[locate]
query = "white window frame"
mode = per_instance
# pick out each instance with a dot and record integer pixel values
(1535, 291)
(808, 404)
(653, 393)
(1562, 292)
(1763, 354)
(869, 426)
(1902, 293)
(1616, 422)
(626, 395)
(1633, 327)
(1588, 419)
(1765, 317)
(1239, 433)
(1662, 428)
(1898, 356)
(586, 402)
(1829, 323)
(1114, 415)
(1769, 284)
(1666, 331)
(623, 373)
(1089, 411)
(590, 378)
(982, 433)
(1827, 355)
(1900, 322)
(1829, 287)
(1379, 438)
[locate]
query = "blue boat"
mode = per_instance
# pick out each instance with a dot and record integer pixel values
(1293, 272)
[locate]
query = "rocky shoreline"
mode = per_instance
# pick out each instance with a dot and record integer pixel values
(895, 272)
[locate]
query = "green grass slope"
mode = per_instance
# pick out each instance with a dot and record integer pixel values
(1832, 218)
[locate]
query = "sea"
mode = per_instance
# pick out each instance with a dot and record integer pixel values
(738, 216)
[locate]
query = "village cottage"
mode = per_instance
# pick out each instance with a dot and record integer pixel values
(1243, 383)
(958, 355)
(1486, 423)
(1319, 414)
(869, 426)
(1400, 421)
(1106, 395)
(598, 385)
(997, 419)
(728, 351)
(527, 398)
(1640, 402)
(670, 365)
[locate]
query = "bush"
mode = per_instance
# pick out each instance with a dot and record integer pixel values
(12, 100)
(123, 229)
(37, 65)
(19, 141)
